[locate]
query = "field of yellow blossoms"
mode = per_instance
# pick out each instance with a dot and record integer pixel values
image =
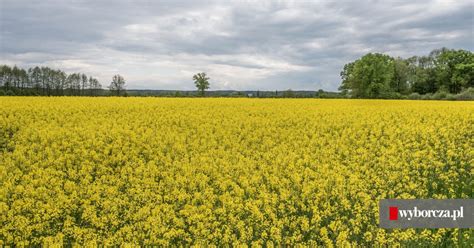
(250, 172)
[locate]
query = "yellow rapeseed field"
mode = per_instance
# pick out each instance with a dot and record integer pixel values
(250, 172)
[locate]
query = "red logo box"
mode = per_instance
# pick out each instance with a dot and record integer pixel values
(393, 213)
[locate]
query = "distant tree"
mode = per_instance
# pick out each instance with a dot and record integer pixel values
(320, 93)
(454, 69)
(346, 76)
(400, 77)
(94, 86)
(117, 86)
(35, 78)
(5, 77)
(201, 82)
(443, 71)
(84, 81)
(16, 76)
(370, 76)
(10, 93)
(74, 83)
(60, 78)
(44, 81)
(421, 74)
(288, 93)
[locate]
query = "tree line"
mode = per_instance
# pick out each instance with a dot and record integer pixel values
(442, 72)
(45, 81)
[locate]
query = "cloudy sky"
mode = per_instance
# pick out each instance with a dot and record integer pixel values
(264, 45)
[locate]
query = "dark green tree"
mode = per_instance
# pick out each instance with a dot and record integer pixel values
(400, 76)
(201, 82)
(454, 69)
(43, 81)
(369, 77)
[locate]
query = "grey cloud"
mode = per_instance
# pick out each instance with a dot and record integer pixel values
(242, 44)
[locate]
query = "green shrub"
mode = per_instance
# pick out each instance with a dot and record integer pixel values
(414, 96)
(450, 97)
(10, 93)
(440, 95)
(467, 94)
(427, 96)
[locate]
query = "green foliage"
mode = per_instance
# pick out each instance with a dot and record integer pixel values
(399, 83)
(440, 95)
(441, 73)
(10, 93)
(467, 94)
(46, 81)
(455, 68)
(288, 93)
(370, 76)
(201, 82)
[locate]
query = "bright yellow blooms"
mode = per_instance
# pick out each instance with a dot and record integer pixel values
(251, 172)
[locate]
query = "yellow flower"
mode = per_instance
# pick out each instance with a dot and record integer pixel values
(226, 172)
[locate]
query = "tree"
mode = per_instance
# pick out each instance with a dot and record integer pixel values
(74, 83)
(454, 69)
(5, 77)
(94, 85)
(44, 81)
(346, 76)
(288, 93)
(442, 71)
(35, 78)
(84, 85)
(59, 81)
(400, 76)
(201, 82)
(117, 86)
(370, 76)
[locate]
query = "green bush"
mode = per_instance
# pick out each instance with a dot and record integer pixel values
(427, 96)
(439, 95)
(467, 94)
(10, 93)
(414, 96)
(390, 95)
(450, 97)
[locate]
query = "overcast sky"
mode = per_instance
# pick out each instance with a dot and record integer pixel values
(264, 45)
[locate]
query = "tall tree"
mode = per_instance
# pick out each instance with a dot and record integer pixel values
(94, 85)
(84, 85)
(43, 81)
(370, 76)
(117, 86)
(35, 77)
(201, 82)
(5, 76)
(453, 69)
(400, 76)
(346, 76)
